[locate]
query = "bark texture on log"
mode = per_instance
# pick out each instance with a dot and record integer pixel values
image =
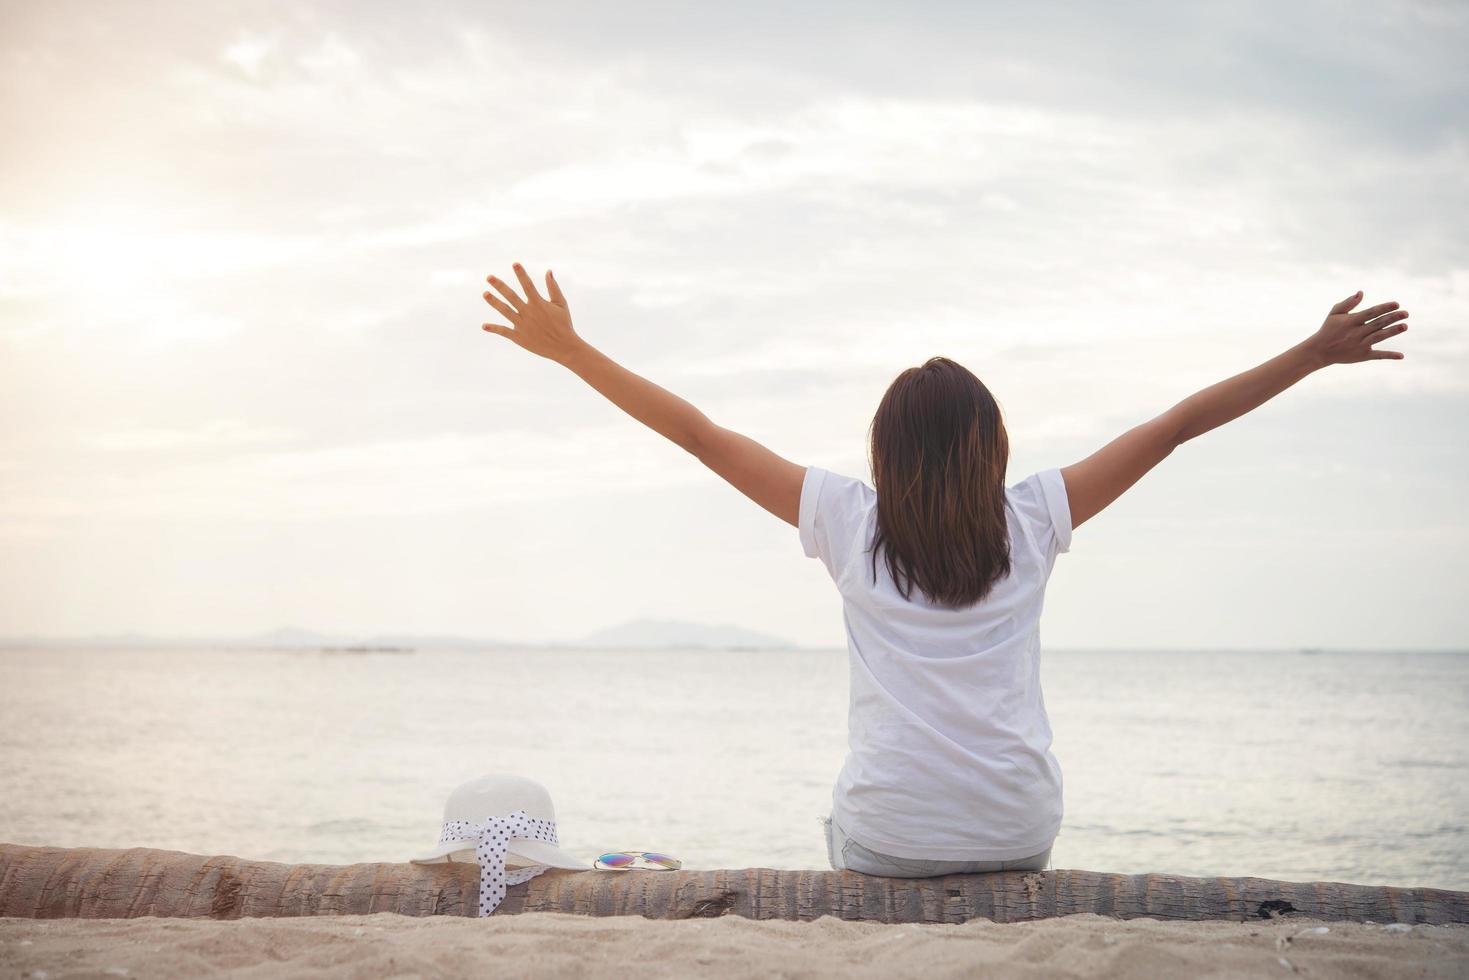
(92, 883)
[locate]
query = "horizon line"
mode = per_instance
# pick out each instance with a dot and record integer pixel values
(134, 638)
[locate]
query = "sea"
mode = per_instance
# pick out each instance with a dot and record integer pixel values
(1297, 765)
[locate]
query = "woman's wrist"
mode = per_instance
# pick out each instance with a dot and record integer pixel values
(1311, 354)
(576, 356)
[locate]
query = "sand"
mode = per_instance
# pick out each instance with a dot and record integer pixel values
(547, 944)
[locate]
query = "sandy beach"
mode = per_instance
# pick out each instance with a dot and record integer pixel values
(560, 945)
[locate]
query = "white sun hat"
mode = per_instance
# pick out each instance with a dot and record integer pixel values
(499, 819)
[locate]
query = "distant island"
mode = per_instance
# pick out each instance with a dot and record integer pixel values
(646, 634)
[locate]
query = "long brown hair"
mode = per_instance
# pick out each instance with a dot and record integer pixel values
(939, 453)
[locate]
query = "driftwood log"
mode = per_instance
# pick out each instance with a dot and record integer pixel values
(92, 883)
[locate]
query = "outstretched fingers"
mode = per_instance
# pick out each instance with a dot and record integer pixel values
(502, 308)
(1383, 326)
(554, 289)
(511, 295)
(1385, 331)
(1348, 335)
(526, 283)
(1374, 312)
(1377, 323)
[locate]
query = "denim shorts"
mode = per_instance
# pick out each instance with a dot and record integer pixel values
(846, 854)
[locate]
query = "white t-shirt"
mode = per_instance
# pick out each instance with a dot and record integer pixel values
(949, 744)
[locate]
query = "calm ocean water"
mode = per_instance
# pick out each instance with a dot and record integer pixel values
(1331, 766)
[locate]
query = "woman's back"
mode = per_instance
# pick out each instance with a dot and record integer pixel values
(949, 743)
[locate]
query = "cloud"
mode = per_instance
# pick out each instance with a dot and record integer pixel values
(248, 53)
(241, 248)
(229, 471)
(219, 432)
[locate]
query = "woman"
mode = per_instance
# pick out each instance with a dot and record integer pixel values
(942, 571)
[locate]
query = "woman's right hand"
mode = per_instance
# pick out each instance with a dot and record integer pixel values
(1346, 337)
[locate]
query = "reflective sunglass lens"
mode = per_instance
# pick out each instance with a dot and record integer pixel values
(616, 860)
(662, 859)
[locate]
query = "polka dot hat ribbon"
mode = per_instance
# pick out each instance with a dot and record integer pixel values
(492, 842)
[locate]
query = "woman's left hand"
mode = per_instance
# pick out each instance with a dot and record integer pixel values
(541, 326)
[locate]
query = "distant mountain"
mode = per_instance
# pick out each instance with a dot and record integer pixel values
(664, 633)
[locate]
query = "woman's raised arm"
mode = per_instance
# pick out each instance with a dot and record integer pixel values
(1344, 337)
(543, 326)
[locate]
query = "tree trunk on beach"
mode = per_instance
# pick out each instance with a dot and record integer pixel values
(92, 883)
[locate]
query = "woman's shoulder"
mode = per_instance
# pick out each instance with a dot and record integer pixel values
(838, 479)
(837, 495)
(1039, 502)
(836, 513)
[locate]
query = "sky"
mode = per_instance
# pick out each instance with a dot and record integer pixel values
(242, 246)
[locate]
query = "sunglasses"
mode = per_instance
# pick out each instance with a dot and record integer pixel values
(627, 861)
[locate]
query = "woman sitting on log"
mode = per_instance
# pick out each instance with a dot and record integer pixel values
(942, 570)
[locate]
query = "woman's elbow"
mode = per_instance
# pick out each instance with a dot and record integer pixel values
(1169, 431)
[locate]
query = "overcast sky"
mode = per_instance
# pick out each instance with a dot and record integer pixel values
(242, 247)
